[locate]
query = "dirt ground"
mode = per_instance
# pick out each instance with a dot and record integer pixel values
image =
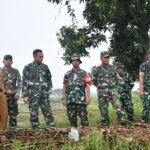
(58, 136)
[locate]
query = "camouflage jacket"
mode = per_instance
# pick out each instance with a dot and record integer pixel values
(12, 79)
(75, 86)
(105, 77)
(145, 70)
(36, 80)
(125, 83)
(1, 80)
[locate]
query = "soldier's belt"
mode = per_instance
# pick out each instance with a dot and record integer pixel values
(109, 77)
(31, 83)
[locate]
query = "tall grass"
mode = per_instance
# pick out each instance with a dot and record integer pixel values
(99, 141)
(96, 141)
(94, 116)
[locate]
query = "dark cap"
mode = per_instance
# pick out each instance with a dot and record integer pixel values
(75, 57)
(119, 65)
(8, 57)
(105, 54)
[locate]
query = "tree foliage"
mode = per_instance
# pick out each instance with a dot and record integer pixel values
(127, 20)
(73, 41)
(77, 40)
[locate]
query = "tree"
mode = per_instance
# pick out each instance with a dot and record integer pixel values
(127, 20)
(76, 40)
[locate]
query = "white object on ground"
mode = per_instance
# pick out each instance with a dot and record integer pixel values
(74, 134)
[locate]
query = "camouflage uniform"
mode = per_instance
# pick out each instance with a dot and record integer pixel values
(12, 81)
(36, 85)
(106, 79)
(145, 70)
(125, 86)
(76, 96)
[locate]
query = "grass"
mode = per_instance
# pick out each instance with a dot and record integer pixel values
(95, 141)
(94, 116)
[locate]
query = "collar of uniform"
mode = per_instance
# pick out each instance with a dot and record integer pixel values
(75, 70)
(35, 64)
(121, 74)
(104, 66)
(7, 69)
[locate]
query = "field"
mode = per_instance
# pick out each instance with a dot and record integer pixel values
(135, 136)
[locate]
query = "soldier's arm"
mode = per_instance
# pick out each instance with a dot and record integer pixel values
(1, 80)
(94, 75)
(64, 101)
(49, 80)
(131, 82)
(18, 83)
(87, 90)
(141, 80)
(64, 91)
(87, 80)
(117, 78)
(64, 95)
(25, 80)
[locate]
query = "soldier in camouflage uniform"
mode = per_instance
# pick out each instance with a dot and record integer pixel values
(125, 86)
(144, 81)
(36, 89)
(76, 93)
(12, 86)
(104, 77)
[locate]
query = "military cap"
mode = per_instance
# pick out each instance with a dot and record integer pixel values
(119, 65)
(75, 57)
(105, 54)
(8, 57)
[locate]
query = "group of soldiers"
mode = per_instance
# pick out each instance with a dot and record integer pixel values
(112, 82)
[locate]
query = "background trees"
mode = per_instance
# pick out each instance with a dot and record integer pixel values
(128, 21)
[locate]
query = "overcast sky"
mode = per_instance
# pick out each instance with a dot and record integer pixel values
(30, 24)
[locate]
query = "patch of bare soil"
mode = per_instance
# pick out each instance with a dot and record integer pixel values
(58, 136)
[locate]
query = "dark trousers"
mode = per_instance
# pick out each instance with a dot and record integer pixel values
(12, 110)
(73, 110)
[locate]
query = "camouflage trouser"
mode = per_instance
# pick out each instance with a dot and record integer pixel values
(127, 105)
(12, 110)
(110, 96)
(146, 106)
(44, 103)
(77, 109)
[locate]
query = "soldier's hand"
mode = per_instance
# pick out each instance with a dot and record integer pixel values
(50, 92)
(141, 94)
(16, 96)
(88, 101)
(64, 102)
(9, 92)
(26, 100)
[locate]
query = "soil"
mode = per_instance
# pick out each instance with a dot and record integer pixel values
(59, 136)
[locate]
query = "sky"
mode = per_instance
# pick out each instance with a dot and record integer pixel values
(29, 24)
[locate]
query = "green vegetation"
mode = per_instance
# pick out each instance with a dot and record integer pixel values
(99, 142)
(95, 141)
(93, 113)
(129, 39)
